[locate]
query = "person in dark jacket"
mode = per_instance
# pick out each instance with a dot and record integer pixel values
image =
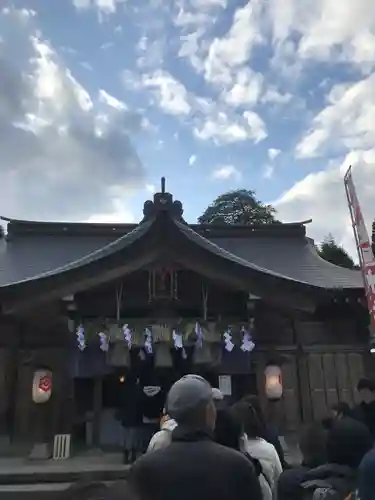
(193, 466)
(347, 443)
(312, 443)
(269, 433)
(366, 477)
(338, 411)
(365, 411)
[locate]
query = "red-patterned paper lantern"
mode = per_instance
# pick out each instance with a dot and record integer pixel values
(42, 386)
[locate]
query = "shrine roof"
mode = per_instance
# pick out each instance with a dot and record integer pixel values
(32, 250)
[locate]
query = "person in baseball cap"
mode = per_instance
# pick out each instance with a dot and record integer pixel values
(193, 465)
(190, 402)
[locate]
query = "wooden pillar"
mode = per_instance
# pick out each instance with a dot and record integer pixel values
(302, 375)
(23, 398)
(63, 396)
(98, 403)
(260, 367)
(5, 356)
(303, 372)
(12, 377)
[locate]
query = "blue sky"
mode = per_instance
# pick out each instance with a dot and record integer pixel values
(102, 97)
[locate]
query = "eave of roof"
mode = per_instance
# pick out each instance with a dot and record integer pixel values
(17, 227)
(279, 250)
(109, 249)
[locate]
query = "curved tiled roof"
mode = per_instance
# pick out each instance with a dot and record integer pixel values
(293, 259)
(36, 251)
(29, 258)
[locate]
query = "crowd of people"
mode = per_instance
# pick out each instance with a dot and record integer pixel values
(207, 450)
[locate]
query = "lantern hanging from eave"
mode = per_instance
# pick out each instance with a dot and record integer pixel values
(273, 382)
(42, 386)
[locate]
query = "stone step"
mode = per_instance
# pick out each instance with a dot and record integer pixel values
(48, 477)
(37, 491)
(32, 491)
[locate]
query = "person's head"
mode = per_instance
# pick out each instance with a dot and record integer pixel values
(190, 403)
(366, 390)
(251, 416)
(347, 443)
(228, 429)
(312, 443)
(340, 410)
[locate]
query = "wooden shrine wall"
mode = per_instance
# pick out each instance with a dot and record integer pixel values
(58, 408)
(5, 387)
(24, 348)
(333, 377)
(322, 363)
(322, 368)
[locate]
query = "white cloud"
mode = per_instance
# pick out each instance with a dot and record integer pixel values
(197, 13)
(268, 171)
(226, 172)
(193, 48)
(171, 95)
(118, 215)
(273, 153)
(62, 150)
(273, 96)
(210, 3)
(111, 101)
(150, 188)
(151, 51)
(210, 121)
(246, 88)
(192, 160)
(328, 29)
(221, 130)
(82, 4)
(321, 196)
(225, 62)
(102, 6)
(236, 47)
(257, 126)
(301, 31)
(347, 121)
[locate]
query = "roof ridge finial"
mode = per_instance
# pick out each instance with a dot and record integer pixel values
(163, 185)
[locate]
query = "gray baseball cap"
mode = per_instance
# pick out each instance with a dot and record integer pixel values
(187, 394)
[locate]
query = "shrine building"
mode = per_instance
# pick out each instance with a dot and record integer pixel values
(98, 309)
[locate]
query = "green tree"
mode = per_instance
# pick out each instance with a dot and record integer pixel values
(336, 254)
(238, 207)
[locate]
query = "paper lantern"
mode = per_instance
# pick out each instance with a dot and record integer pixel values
(273, 382)
(42, 386)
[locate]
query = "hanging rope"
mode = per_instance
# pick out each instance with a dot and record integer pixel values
(204, 302)
(118, 302)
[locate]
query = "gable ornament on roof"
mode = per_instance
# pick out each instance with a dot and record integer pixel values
(163, 202)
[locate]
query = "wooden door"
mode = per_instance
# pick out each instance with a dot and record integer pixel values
(317, 386)
(291, 399)
(333, 378)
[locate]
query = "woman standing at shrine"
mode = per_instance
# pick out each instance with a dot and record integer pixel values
(257, 447)
(267, 432)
